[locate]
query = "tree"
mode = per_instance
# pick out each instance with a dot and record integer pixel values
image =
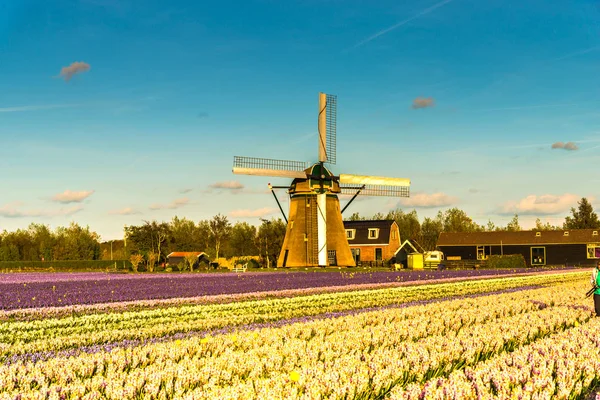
(151, 261)
(513, 225)
(152, 236)
(76, 243)
(220, 229)
(378, 216)
(183, 235)
(160, 233)
(539, 226)
(456, 220)
(583, 217)
(408, 224)
(490, 227)
(136, 260)
(203, 236)
(242, 240)
(430, 232)
(190, 260)
(355, 217)
(270, 240)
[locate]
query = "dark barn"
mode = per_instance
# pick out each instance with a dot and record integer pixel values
(562, 247)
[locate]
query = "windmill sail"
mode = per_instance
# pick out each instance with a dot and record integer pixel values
(375, 185)
(327, 128)
(269, 167)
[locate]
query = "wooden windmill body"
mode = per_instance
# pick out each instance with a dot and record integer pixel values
(315, 234)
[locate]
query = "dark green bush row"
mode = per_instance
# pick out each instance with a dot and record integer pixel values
(506, 261)
(86, 265)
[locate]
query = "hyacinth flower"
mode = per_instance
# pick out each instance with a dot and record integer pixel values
(391, 351)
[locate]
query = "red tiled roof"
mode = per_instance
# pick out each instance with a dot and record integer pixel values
(574, 236)
(185, 253)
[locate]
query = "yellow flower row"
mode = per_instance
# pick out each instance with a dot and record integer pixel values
(369, 353)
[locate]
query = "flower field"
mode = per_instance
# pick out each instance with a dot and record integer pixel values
(24, 290)
(530, 336)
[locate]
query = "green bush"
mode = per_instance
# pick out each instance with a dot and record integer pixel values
(506, 261)
(73, 265)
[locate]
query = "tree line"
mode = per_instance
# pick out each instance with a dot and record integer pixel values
(427, 232)
(219, 238)
(39, 243)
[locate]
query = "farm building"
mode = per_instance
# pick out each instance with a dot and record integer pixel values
(401, 254)
(561, 247)
(178, 257)
(372, 240)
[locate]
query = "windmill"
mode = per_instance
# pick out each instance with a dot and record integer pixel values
(315, 234)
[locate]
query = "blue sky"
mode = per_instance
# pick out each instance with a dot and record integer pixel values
(118, 111)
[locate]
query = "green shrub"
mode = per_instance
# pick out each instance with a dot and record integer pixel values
(72, 265)
(506, 261)
(251, 261)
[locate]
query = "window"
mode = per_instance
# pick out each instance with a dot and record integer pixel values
(350, 233)
(595, 233)
(393, 234)
(373, 233)
(593, 251)
(378, 254)
(538, 256)
(538, 234)
(566, 233)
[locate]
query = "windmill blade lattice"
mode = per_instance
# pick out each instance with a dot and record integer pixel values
(268, 167)
(376, 190)
(331, 124)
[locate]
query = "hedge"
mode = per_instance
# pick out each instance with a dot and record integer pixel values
(506, 261)
(72, 265)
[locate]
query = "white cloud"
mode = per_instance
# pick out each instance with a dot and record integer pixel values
(257, 213)
(423, 102)
(35, 108)
(75, 68)
(425, 200)
(124, 211)
(72, 197)
(565, 146)
(233, 185)
(12, 210)
(177, 203)
(545, 204)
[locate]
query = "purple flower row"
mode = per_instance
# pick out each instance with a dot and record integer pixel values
(68, 289)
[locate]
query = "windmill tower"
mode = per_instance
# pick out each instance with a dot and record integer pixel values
(315, 234)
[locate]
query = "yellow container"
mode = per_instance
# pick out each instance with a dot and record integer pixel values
(416, 261)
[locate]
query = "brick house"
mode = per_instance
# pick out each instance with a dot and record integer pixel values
(372, 240)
